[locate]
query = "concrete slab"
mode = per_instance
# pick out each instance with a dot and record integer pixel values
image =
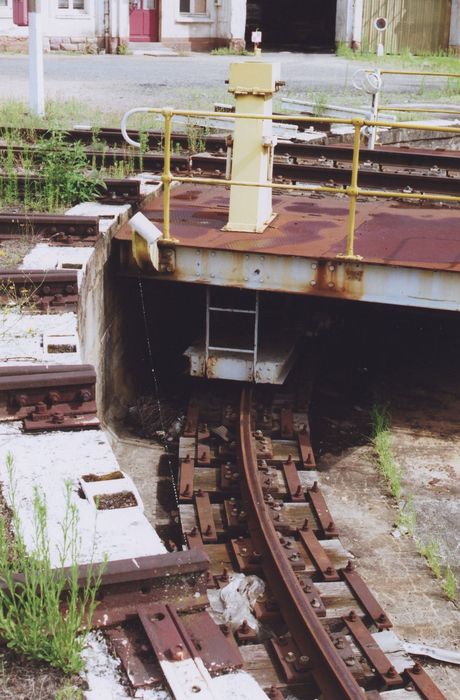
(23, 338)
(47, 461)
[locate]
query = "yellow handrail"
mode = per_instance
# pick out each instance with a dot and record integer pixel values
(353, 191)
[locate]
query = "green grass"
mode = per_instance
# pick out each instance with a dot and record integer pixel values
(227, 51)
(406, 518)
(443, 61)
(432, 553)
(449, 583)
(64, 176)
(382, 443)
(32, 620)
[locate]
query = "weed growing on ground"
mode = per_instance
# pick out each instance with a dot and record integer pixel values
(196, 136)
(407, 515)
(449, 583)
(63, 167)
(62, 170)
(381, 438)
(432, 553)
(32, 620)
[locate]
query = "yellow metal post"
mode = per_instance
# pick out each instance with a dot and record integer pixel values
(253, 84)
(353, 192)
(166, 177)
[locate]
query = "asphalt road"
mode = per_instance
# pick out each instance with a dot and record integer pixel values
(117, 83)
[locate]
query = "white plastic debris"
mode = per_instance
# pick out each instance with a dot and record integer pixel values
(233, 604)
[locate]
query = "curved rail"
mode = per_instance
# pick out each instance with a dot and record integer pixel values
(329, 671)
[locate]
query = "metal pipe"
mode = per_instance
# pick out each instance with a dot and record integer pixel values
(317, 188)
(418, 109)
(416, 72)
(283, 118)
(166, 177)
(353, 191)
(375, 112)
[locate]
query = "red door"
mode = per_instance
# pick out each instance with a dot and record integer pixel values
(143, 20)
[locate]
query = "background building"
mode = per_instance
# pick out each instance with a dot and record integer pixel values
(419, 26)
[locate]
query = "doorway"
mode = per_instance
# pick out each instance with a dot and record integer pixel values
(144, 20)
(296, 25)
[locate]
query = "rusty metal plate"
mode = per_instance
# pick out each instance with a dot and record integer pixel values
(249, 560)
(365, 597)
(264, 448)
(266, 609)
(203, 455)
(269, 481)
(131, 645)
(293, 482)
(277, 512)
(213, 646)
(317, 554)
(236, 516)
(186, 479)
(160, 627)
(312, 594)
(423, 683)
(306, 451)
(230, 475)
(245, 634)
(295, 666)
(387, 232)
(193, 538)
(321, 511)
(205, 517)
(292, 553)
(61, 421)
(371, 650)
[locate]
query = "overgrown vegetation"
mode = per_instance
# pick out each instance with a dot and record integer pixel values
(48, 175)
(406, 519)
(33, 620)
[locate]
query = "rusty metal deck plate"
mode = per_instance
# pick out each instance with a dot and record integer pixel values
(387, 232)
(318, 555)
(371, 650)
(365, 597)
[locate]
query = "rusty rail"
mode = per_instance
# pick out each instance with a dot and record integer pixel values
(42, 290)
(111, 191)
(60, 229)
(330, 671)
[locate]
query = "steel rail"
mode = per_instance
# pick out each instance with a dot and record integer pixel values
(329, 670)
(305, 172)
(153, 159)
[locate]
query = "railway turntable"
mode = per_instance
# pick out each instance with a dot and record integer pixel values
(255, 235)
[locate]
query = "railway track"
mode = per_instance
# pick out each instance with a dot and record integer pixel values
(250, 503)
(434, 172)
(246, 508)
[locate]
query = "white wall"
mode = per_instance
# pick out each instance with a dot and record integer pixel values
(454, 38)
(344, 21)
(56, 23)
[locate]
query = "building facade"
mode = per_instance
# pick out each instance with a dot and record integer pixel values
(419, 26)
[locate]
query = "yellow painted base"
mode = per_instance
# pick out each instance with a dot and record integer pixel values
(244, 228)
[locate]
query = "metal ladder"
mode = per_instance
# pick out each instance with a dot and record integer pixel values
(212, 309)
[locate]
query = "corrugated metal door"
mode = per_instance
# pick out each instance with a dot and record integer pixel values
(419, 26)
